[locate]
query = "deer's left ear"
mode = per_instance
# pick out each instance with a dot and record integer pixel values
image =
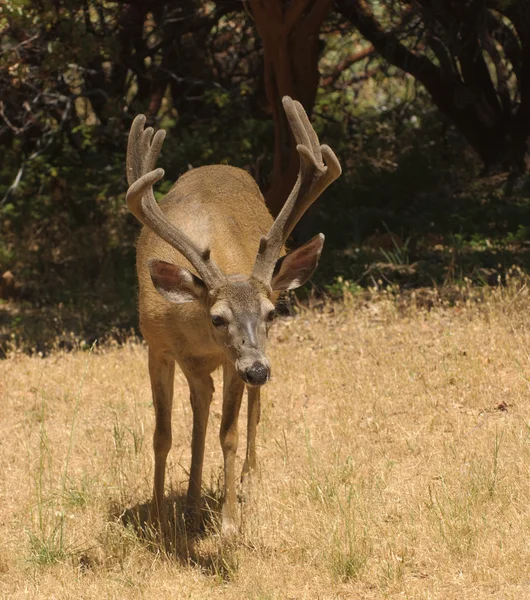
(294, 269)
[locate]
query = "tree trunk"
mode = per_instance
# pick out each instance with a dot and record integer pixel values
(291, 50)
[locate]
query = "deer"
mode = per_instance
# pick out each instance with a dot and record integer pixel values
(211, 265)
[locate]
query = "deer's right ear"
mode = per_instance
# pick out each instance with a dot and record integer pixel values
(296, 267)
(174, 283)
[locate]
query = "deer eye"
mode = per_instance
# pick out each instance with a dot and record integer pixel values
(218, 321)
(271, 315)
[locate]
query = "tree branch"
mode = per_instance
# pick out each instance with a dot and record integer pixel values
(346, 64)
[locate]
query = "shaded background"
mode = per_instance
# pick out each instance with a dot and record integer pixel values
(426, 103)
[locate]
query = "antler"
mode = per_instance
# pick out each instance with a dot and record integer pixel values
(142, 153)
(314, 177)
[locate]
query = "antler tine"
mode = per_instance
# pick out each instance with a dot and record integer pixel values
(142, 153)
(318, 168)
(301, 127)
(134, 166)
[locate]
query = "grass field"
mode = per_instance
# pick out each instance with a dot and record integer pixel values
(394, 463)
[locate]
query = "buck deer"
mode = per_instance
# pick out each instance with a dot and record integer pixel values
(211, 264)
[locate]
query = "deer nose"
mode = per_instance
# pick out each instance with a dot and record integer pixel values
(257, 374)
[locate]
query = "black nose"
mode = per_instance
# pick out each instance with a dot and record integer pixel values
(257, 374)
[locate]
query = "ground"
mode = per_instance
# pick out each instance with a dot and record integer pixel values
(394, 463)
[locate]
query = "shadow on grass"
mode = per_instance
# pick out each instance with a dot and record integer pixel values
(41, 330)
(188, 543)
(384, 259)
(413, 264)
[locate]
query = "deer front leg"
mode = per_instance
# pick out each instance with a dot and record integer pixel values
(233, 388)
(253, 419)
(161, 373)
(201, 392)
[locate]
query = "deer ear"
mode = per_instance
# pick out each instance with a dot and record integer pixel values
(294, 269)
(174, 283)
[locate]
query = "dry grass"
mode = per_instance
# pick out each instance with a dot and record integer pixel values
(394, 452)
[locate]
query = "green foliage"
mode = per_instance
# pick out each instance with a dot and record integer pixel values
(230, 136)
(412, 207)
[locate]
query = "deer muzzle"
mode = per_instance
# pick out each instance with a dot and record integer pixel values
(254, 373)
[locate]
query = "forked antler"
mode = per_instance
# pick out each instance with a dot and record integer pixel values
(142, 153)
(314, 177)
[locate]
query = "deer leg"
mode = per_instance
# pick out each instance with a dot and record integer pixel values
(161, 373)
(233, 388)
(201, 392)
(253, 419)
